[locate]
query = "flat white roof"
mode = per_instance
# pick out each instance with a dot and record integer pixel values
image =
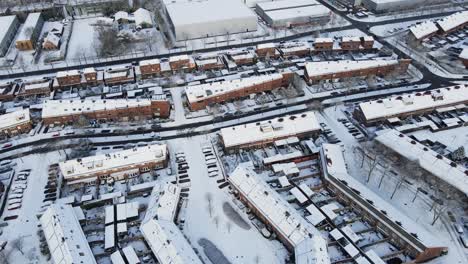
(5, 24)
(424, 29)
(335, 166)
(298, 12)
(319, 68)
(14, 119)
(284, 4)
(63, 233)
(168, 201)
(67, 73)
(89, 166)
(316, 216)
(143, 16)
(266, 46)
(116, 258)
(201, 92)
(374, 257)
(127, 210)
(31, 22)
(149, 62)
(131, 255)
(280, 127)
(464, 54)
(310, 246)
(441, 167)
(449, 22)
(55, 108)
(207, 11)
(168, 243)
(323, 40)
(401, 104)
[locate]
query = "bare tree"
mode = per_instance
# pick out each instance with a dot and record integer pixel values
(229, 226)
(5, 256)
(216, 221)
(209, 200)
(18, 244)
(400, 180)
(257, 259)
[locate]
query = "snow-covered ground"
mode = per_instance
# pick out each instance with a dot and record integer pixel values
(25, 227)
(238, 244)
(418, 210)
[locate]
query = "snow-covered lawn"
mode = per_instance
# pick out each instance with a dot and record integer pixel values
(238, 244)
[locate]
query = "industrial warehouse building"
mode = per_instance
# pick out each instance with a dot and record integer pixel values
(30, 32)
(8, 27)
(198, 19)
(288, 13)
(393, 5)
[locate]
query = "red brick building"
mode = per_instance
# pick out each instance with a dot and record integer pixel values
(323, 44)
(150, 68)
(68, 78)
(200, 96)
(71, 111)
(181, 62)
(350, 43)
(333, 70)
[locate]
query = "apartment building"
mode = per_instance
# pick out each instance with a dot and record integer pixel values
(117, 165)
(267, 132)
(417, 103)
(334, 70)
(202, 95)
(71, 111)
(15, 123)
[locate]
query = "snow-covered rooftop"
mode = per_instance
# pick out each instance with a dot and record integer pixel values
(297, 12)
(281, 127)
(68, 73)
(167, 203)
(149, 62)
(319, 68)
(266, 46)
(441, 167)
(207, 11)
(54, 108)
(464, 54)
(450, 22)
(424, 29)
(308, 243)
(31, 23)
(282, 4)
(323, 40)
(89, 166)
(401, 104)
(65, 238)
(5, 24)
(201, 92)
(127, 210)
(143, 16)
(168, 243)
(14, 119)
(335, 166)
